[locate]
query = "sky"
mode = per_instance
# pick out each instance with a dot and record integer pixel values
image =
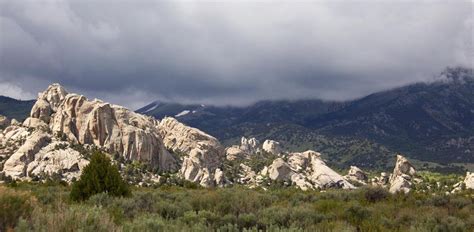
(228, 52)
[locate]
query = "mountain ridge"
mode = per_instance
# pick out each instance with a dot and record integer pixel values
(15, 109)
(430, 121)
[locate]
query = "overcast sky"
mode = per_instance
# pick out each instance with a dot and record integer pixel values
(228, 52)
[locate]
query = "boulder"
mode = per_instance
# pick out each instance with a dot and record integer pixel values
(11, 139)
(401, 183)
(280, 170)
(35, 123)
(14, 134)
(15, 122)
(467, 183)
(48, 102)
(382, 181)
(205, 153)
(307, 171)
(235, 153)
(324, 177)
(469, 180)
(220, 178)
(50, 160)
(16, 165)
(357, 175)
(403, 176)
(272, 147)
(4, 122)
(247, 176)
(246, 148)
(249, 145)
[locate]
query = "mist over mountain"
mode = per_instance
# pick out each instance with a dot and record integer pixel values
(431, 121)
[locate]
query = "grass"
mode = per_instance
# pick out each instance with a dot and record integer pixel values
(47, 207)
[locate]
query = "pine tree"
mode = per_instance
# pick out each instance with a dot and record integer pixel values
(97, 177)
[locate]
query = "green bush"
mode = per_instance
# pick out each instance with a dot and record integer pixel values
(68, 218)
(146, 223)
(376, 194)
(98, 177)
(356, 214)
(13, 205)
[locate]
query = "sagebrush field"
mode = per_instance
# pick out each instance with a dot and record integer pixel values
(47, 207)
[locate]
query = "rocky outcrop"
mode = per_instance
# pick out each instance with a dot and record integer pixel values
(403, 176)
(35, 123)
(16, 165)
(53, 160)
(356, 175)
(204, 153)
(11, 139)
(246, 148)
(382, 180)
(235, 153)
(220, 178)
(247, 176)
(60, 116)
(4, 122)
(251, 146)
(469, 180)
(118, 130)
(280, 170)
(48, 102)
(467, 183)
(272, 147)
(306, 170)
(14, 122)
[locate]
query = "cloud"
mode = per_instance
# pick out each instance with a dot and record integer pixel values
(229, 52)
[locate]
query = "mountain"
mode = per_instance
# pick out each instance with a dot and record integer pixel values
(432, 122)
(17, 109)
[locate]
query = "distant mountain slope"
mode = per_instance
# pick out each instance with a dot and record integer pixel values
(213, 119)
(16, 109)
(430, 121)
(427, 121)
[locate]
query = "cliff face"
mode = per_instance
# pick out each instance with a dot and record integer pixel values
(60, 116)
(204, 152)
(118, 130)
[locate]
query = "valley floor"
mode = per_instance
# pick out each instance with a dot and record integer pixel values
(47, 207)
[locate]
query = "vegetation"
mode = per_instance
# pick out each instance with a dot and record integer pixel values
(100, 176)
(47, 207)
(12, 108)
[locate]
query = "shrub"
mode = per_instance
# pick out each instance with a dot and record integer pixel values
(100, 199)
(440, 201)
(169, 210)
(373, 195)
(13, 205)
(97, 177)
(247, 221)
(356, 214)
(146, 223)
(69, 218)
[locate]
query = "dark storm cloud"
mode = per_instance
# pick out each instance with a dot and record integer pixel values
(228, 52)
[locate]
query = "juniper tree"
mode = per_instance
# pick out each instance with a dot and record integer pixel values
(97, 177)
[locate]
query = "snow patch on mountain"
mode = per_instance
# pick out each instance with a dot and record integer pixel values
(184, 112)
(152, 108)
